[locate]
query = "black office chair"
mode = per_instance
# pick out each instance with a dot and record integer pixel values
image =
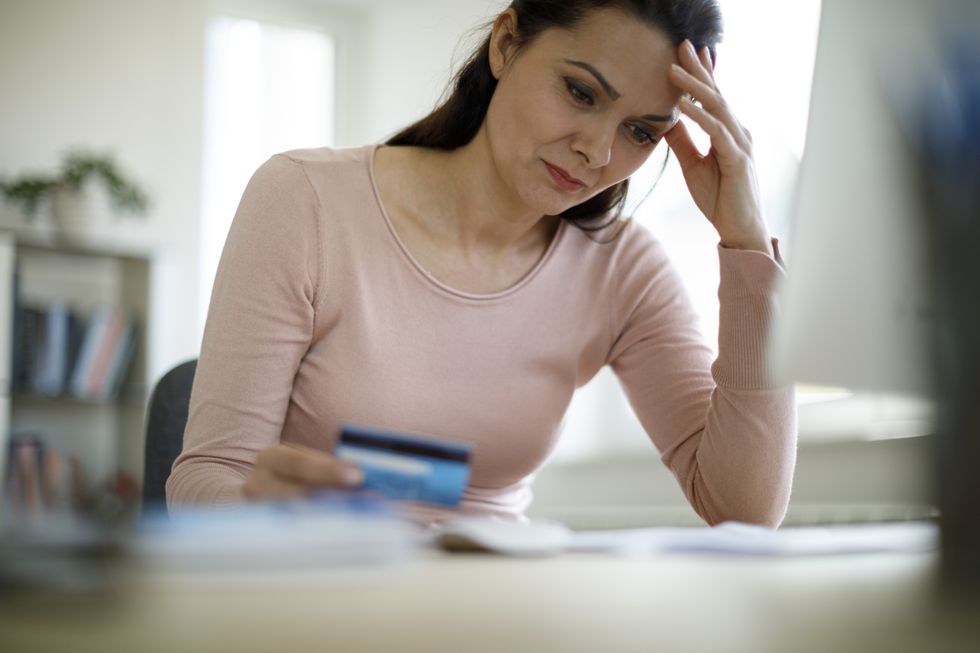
(165, 421)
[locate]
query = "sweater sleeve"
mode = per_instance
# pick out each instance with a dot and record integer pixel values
(727, 434)
(259, 327)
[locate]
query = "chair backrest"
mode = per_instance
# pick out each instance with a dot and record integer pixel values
(165, 421)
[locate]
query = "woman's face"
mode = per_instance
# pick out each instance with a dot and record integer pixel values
(576, 111)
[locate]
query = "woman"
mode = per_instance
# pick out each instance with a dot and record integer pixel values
(464, 279)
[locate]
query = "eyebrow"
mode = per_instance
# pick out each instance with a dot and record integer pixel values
(612, 92)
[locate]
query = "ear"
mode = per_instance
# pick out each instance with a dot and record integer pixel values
(503, 42)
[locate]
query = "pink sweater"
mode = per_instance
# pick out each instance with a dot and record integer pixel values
(321, 316)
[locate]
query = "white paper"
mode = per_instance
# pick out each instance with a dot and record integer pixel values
(746, 539)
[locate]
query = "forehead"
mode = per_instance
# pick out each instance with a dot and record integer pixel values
(632, 55)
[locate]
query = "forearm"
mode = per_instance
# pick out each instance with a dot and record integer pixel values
(739, 465)
(204, 483)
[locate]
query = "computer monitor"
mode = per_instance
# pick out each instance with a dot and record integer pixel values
(883, 288)
(856, 303)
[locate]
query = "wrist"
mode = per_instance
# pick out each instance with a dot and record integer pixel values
(763, 245)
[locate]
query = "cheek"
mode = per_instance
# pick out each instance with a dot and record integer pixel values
(544, 118)
(537, 109)
(521, 116)
(626, 159)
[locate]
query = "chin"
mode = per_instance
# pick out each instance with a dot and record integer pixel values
(548, 201)
(564, 206)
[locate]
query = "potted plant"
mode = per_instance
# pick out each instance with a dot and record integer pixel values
(85, 196)
(91, 193)
(30, 197)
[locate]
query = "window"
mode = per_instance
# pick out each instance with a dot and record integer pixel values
(268, 88)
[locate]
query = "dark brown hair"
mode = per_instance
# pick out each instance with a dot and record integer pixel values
(457, 119)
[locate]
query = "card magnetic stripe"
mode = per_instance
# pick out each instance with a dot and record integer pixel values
(407, 477)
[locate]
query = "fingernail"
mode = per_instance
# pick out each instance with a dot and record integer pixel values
(676, 68)
(690, 46)
(352, 475)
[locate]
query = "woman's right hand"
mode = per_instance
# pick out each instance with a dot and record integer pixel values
(284, 471)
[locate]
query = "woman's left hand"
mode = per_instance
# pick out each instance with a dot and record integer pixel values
(723, 181)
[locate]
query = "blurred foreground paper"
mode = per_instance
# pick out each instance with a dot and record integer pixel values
(746, 539)
(344, 529)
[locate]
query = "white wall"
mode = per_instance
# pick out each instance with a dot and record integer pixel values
(127, 76)
(122, 76)
(411, 50)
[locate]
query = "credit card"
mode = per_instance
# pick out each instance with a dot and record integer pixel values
(405, 466)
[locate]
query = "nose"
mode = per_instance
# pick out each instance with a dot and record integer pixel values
(594, 145)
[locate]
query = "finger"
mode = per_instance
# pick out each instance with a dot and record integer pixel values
(728, 151)
(700, 66)
(682, 145)
(694, 64)
(742, 134)
(264, 485)
(707, 61)
(693, 86)
(711, 101)
(310, 467)
(705, 57)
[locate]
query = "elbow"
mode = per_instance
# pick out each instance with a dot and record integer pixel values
(765, 507)
(204, 484)
(770, 516)
(174, 490)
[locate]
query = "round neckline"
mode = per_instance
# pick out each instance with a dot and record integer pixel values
(429, 277)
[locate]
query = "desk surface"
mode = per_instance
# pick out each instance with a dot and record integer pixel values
(476, 602)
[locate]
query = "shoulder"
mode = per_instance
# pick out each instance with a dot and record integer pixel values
(315, 173)
(328, 156)
(625, 249)
(313, 165)
(638, 272)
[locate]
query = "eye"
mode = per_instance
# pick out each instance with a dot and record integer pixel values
(579, 92)
(641, 135)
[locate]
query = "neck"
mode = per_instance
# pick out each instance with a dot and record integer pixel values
(478, 211)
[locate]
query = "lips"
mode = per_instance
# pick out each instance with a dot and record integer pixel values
(564, 180)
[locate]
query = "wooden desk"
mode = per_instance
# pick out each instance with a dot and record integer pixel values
(474, 602)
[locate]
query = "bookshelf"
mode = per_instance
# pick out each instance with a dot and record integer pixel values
(95, 417)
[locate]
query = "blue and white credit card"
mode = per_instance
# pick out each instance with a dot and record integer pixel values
(407, 467)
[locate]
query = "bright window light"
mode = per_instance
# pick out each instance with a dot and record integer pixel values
(268, 88)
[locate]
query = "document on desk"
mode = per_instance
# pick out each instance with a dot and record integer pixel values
(328, 529)
(745, 539)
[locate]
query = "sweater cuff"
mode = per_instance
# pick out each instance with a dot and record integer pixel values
(207, 484)
(747, 300)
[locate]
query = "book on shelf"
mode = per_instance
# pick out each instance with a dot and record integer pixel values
(25, 348)
(23, 490)
(52, 359)
(104, 355)
(119, 364)
(57, 353)
(107, 340)
(39, 479)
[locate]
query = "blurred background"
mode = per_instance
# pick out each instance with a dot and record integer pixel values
(187, 97)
